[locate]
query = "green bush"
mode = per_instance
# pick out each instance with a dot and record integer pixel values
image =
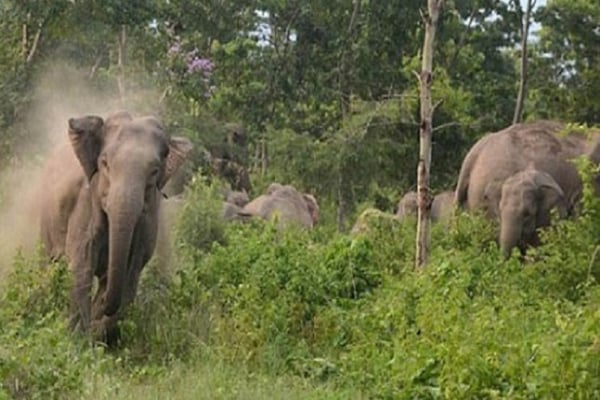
(349, 311)
(39, 359)
(200, 222)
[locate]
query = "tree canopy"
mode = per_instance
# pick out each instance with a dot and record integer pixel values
(325, 89)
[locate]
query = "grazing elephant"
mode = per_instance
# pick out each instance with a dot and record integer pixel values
(497, 156)
(101, 209)
(286, 202)
(525, 204)
(407, 205)
(441, 207)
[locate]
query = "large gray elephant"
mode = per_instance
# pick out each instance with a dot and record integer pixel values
(497, 156)
(544, 146)
(285, 202)
(101, 209)
(525, 205)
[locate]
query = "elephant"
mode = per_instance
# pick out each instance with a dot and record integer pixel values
(233, 205)
(224, 155)
(407, 205)
(442, 204)
(526, 201)
(499, 155)
(101, 210)
(239, 198)
(285, 201)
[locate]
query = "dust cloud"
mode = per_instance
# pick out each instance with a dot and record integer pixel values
(60, 92)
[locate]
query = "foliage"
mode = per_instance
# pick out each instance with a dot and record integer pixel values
(38, 357)
(327, 95)
(200, 221)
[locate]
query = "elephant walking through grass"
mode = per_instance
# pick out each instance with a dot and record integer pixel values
(545, 146)
(101, 209)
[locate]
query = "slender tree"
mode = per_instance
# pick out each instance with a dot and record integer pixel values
(430, 19)
(524, 30)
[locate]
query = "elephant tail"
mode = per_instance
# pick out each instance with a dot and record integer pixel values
(462, 186)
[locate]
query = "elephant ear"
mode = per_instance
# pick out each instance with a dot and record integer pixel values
(551, 196)
(86, 135)
(179, 148)
(313, 206)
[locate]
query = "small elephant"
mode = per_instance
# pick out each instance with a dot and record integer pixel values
(287, 203)
(527, 199)
(101, 209)
(442, 204)
(407, 205)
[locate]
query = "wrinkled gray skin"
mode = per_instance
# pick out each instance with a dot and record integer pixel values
(525, 205)
(442, 204)
(101, 209)
(287, 203)
(407, 205)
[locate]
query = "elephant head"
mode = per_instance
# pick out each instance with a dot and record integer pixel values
(526, 201)
(237, 198)
(126, 162)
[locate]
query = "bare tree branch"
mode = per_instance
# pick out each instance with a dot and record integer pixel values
(524, 28)
(424, 199)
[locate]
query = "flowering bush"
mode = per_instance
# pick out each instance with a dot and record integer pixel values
(191, 71)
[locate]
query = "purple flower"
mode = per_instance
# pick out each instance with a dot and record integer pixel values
(203, 65)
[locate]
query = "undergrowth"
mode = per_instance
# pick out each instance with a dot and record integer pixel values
(346, 311)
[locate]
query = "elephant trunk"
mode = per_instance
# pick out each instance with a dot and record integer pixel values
(511, 230)
(123, 215)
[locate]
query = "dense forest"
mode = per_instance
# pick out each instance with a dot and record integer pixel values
(322, 95)
(326, 91)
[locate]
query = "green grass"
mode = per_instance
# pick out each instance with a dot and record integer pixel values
(210, 380)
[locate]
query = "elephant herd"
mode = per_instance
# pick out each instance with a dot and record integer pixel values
(103, 192)
(517, 176)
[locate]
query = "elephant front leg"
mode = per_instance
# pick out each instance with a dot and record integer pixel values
(80, 298)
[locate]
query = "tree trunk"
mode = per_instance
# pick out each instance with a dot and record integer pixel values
(341, 204)
(424, 198)
(518, 116)
(121, 49)
(344, 86)
(264, 157)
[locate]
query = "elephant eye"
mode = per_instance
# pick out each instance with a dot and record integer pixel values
(104, 163)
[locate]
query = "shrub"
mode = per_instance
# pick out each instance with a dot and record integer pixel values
(39, 359)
